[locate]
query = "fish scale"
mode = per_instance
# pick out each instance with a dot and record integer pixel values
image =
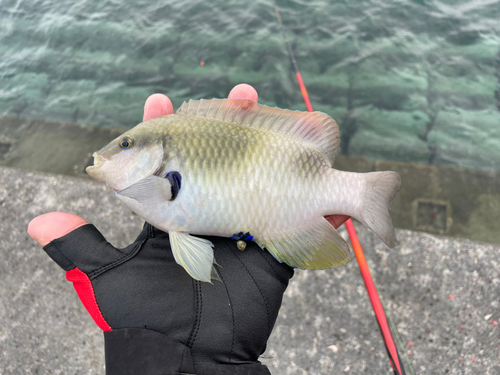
(216, 170)
(245, 168)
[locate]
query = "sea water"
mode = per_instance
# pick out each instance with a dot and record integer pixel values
(412, 81)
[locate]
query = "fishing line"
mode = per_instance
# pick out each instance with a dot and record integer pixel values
(292, 59)
(395, 330)
(358, 251)
(375, 300)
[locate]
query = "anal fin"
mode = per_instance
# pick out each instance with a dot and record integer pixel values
(194, 254)
(317, 246)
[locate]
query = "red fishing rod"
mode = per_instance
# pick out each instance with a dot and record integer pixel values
(358, 251)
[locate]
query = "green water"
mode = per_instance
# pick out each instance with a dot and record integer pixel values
(415, 81)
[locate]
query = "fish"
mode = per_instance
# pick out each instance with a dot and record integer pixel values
(239, 169)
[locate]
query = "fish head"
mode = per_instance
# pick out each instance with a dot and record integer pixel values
(127, 159)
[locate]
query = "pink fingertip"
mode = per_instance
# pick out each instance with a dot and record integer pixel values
(243, 91)
(157, 105)
(47, 227)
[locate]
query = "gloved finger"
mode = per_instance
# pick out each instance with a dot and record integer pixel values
(74, 243)
(48, 227)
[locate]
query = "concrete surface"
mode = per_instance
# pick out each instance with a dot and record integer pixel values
(442, 292)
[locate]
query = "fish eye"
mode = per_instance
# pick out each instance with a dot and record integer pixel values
(126, 142)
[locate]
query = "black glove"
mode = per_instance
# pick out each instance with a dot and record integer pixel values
(157, 319)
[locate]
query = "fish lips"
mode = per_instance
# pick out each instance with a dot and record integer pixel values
(98, 163)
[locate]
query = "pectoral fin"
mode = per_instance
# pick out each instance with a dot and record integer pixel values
(150, 190)
(194, 254)
(317, 246)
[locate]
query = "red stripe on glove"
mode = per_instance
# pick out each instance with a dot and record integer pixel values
(85, 291)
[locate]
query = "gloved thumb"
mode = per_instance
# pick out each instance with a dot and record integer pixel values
(81, 250)
(47, 227)
(72, 242)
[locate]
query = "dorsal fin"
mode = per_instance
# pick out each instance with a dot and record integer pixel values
(315, 127)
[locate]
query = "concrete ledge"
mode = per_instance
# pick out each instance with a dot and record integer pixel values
(442, 293)
(47, 146)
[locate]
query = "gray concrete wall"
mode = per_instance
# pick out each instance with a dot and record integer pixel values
(442, 293)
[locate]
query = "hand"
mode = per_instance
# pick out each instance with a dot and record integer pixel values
(145, 302)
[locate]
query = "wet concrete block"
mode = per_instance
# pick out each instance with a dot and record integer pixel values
(457, 202)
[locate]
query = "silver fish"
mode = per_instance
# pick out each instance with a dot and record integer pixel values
(225, 167)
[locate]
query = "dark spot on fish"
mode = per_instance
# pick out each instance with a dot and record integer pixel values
(175, 179)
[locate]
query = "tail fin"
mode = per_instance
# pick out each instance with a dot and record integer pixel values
(381, 188)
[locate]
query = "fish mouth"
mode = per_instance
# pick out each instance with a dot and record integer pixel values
(98, 163)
